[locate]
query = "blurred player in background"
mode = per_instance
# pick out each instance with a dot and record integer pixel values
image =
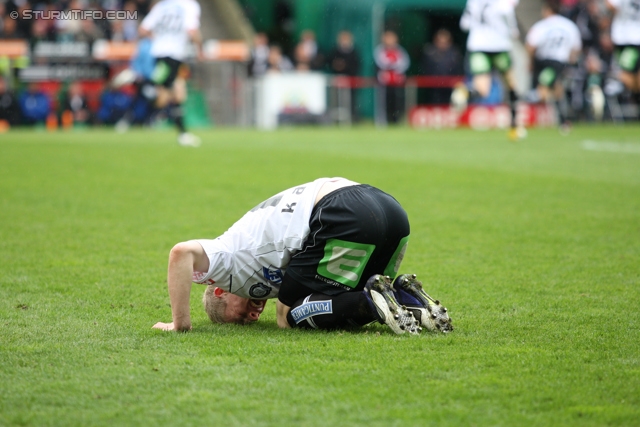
(171, 25)
(553, 44)
(492, 27)
(625, 34)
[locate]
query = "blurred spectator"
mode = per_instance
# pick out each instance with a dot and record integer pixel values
(110, 4)
(306, 54)
(103, 25)
(9, 109)
(41, 31)
(130, 25)
(113, 106)
(3, 13)
(345, 60)
(392, 62)
(117, 31)
(301, 58)
(10, 30)
(35, 105)
(75, 104)
(277, 62)
(441, 59)
(566, 6)
(68, 29)
(142, 6)
(24, 25)
(259, 62)
(89, 32)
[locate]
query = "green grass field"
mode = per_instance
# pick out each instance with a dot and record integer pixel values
(534, 247)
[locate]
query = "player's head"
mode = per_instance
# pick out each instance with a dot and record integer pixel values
(551, 7)
(224, 307)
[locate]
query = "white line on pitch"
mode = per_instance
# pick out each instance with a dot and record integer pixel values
(612, 147)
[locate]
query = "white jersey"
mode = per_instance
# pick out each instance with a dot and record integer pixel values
(170, 22)
(251, 257)
(554, 38)
(625, 27)
(491, 25)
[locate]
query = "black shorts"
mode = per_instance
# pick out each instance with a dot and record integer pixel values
(546, 72)
(165, 71)
(356, 232)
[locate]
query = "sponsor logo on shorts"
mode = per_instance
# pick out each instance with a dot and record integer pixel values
(344, 262)
(311, 308)
(259, 290)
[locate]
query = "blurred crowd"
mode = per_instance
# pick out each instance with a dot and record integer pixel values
(596, 65)
(440, 56)
(69, 30)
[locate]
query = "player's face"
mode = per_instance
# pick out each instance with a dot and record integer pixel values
(243, 310)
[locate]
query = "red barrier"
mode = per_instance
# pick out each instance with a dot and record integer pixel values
(416, 81)
(480, 117)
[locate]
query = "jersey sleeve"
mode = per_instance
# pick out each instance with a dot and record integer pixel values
(512, 22)
(615, 3)
(150, 20)
(533, 36)
(192, 18)
(220, 264)
(467, 17)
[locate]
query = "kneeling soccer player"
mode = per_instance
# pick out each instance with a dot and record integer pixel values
(326, 249)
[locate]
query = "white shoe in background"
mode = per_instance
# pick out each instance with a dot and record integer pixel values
(187, 139)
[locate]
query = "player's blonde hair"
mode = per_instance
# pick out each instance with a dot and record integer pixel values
(214, 306)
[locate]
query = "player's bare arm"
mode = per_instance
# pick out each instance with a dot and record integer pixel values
(144, 33)
(184, 259)
(196, 38)
(531, 51)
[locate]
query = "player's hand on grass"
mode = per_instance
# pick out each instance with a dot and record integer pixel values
(169, 327)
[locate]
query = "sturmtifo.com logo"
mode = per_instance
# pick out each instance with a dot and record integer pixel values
(73, 14)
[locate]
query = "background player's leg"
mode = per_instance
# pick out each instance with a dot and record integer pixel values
(561, 107)
(176, 112)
